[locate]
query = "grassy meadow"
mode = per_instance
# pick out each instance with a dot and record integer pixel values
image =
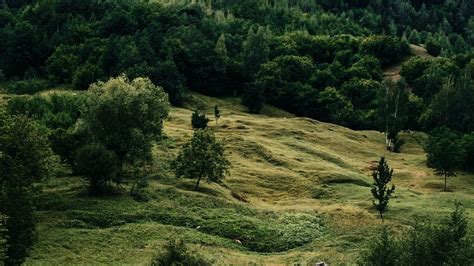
(298, 192)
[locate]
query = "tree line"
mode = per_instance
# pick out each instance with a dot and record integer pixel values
(322, 60)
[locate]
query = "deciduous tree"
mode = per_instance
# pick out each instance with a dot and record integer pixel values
(126, 116)
(444, 153)
(202, 157)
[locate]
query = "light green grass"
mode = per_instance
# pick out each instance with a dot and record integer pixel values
(287, 167)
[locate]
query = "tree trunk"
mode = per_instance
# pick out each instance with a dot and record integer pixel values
(445, 182)
(381, 216)
(197, 184)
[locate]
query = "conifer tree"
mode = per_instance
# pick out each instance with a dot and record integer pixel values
(217, 113)
(380, 189)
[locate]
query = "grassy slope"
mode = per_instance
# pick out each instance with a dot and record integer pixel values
(283, 164)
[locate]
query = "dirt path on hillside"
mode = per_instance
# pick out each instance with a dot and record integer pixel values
(393, 72)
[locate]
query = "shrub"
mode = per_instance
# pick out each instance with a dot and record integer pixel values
(198, 120)
(446, 243)
(177, 254)
(85, 75)
(433, 47)
(253, 98)
(381, 251)
(387, 49)
(98, 164)
(30, 86)
(414, 68)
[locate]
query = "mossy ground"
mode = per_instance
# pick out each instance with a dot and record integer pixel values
(306, 183)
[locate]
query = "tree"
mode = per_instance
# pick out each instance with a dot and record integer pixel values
(284, 80)
(414, 37)
(96, 163)
(25, 158)
(217, 113)
(380, 190)
(393, 109)
(3, 238)
(198, 120)
(444, 152)
(126, 116)
(253, 98)
(334, 107)
(255, 50)
(85, 75)
(387, 49)
(468, 145)
(202, 157)
(433, 47)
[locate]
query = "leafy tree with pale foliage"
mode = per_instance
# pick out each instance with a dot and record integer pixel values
(126, 116)
(202, 157)
(380, 189)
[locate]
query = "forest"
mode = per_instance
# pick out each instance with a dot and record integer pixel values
(95, 90)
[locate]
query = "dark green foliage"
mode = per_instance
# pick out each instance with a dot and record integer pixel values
(30, 86)
(381, 251)
(446, 243)
(3, 238)
(380, 189)
(26, 155)
(202, 157)
(58, 113)
(397, 144)
(334, 107)
(85, 75)
(414, 68)
(255, 51)
(385, 48)
(54, 111)
(433, 47)
(198, 120)
(444, 152)
(253, 98)
(217, 113)
(226, 47)
(468, 147)
(18, 204)
(177, 254)
(97, 164)
(25, 159)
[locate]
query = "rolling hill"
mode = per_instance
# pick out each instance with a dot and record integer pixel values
(298, 192)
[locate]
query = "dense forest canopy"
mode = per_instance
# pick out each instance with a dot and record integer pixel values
(287, 53)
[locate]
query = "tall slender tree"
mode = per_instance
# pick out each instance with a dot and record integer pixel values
(380, 188)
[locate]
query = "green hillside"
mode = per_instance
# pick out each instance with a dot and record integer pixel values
(236, 132)
(305, 183)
